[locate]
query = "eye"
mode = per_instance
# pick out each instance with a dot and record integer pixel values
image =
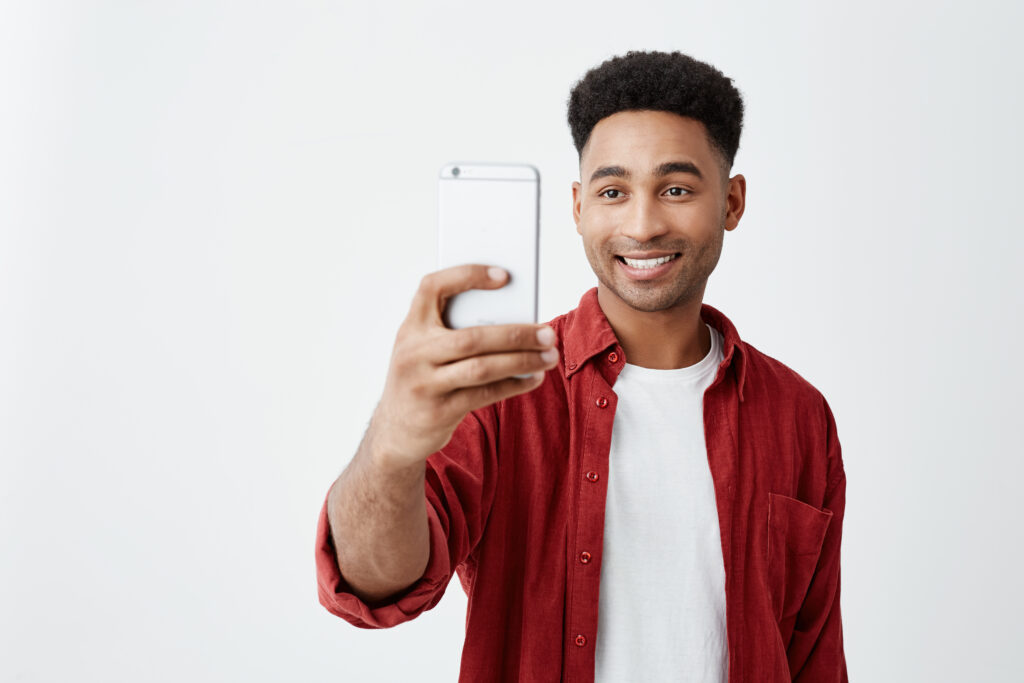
(609, 196)
(672, 191)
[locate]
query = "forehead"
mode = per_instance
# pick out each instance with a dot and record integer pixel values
(641, 140)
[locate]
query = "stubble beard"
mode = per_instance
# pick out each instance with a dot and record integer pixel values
(691, 276)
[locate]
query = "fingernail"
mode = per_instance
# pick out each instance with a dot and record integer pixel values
(549, 355)
(546, 336)
(496, 273)
(538, 376)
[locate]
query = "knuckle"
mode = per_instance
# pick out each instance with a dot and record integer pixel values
(515, 336)
(429, 282)
(465, 341)
(489, 393)
(476, 370)
(419, 390)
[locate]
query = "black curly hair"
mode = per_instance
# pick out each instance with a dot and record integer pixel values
(659, 81)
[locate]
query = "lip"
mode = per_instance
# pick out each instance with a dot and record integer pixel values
(648, 254)
(641, 274)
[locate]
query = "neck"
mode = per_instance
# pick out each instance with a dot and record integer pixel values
(675, 337)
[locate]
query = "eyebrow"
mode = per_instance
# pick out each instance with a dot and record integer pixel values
(664, 169)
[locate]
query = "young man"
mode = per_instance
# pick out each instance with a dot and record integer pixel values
(660, 501)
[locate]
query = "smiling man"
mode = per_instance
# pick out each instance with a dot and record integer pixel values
(659, 500)
(653, 225)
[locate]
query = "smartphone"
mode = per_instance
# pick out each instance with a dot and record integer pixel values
(490, 214)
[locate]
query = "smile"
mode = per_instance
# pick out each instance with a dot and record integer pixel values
(646, 263)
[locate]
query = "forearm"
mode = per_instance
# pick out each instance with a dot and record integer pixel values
(378, 521)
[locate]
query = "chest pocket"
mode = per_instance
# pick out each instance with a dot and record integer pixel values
(796, 531)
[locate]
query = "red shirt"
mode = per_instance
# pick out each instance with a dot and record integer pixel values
(515, 504)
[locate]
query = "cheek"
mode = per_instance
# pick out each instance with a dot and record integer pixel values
(596, 223)
(592, 241)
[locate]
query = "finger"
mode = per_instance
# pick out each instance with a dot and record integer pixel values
(471, 398)
(437, 287)
(455, 345)
(490, 368)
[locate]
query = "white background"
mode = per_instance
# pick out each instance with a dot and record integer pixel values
(213, 217)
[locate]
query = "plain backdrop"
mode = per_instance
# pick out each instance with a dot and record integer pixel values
(213, 217)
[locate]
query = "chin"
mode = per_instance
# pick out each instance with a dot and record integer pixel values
(650, 304)
(649, 300)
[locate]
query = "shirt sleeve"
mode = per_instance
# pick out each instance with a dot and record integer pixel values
(459, 491)
(815, 652)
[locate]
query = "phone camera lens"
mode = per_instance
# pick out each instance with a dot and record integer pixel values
(456, 171)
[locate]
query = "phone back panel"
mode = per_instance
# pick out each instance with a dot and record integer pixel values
(489, 214)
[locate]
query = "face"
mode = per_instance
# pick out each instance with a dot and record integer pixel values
(652, 206)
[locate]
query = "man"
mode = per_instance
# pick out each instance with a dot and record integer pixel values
(684, 526)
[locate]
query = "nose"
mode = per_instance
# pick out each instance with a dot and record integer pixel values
(644, 220)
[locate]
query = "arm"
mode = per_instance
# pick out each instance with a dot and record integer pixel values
(460, 484)
(815, 651)
(409, 502)
(378, 523)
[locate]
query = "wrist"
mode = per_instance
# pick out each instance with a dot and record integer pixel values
(390, 461)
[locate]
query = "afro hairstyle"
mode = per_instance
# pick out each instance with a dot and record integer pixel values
(659, 81)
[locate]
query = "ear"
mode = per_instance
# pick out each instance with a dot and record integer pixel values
(577, 197)
(735, 201)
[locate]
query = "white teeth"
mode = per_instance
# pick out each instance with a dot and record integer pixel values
(648, 262)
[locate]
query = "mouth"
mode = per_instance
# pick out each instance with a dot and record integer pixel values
(646, 267)
(646, 261)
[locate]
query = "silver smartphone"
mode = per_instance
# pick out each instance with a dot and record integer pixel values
(490, 214)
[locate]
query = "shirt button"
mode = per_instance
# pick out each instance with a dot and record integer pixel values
(584, 557)
(581, 640)
(613, 357)
(593, 476)
(602, 402)
(571, 366)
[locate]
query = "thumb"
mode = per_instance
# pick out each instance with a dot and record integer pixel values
(437, 287)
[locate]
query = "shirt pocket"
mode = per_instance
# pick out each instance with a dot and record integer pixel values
(796, 531)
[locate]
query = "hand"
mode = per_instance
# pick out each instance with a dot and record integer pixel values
(438, 375)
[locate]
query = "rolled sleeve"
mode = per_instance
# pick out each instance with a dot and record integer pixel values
(460, 482)
(337, 596)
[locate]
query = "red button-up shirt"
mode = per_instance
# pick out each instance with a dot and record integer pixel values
(515, 504)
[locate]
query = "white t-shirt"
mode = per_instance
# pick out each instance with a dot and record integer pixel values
(661, 611)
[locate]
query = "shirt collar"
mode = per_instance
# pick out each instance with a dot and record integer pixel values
(588, 333)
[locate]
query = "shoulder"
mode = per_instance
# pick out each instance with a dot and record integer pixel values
(770, 380)
(762, 368)
(781, 401)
